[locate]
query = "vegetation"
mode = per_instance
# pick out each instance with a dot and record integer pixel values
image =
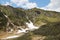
(19, 17)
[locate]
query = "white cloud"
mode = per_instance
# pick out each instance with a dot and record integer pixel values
(30, 5)
(19, 2)
(24, 3)
(54, 5)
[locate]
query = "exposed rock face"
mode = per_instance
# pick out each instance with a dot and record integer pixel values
(38, 12)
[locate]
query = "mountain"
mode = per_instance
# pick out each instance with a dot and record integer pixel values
(11, 17)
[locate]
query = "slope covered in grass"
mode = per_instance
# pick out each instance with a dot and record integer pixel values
(18, 17)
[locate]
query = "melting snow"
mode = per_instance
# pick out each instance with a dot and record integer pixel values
(31, 26)
(22, 31)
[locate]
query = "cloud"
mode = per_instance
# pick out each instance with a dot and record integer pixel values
(54, 5)
(30, 5)
(19, 2)
(24, 3)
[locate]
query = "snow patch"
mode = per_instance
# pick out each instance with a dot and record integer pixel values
(31, 26)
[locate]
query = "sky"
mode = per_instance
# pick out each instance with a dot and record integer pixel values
(53, 5)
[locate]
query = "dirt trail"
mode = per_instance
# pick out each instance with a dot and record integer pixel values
(5, 35)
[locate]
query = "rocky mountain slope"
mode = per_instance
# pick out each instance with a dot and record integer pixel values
(13, 18)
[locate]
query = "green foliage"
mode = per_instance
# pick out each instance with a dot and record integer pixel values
(3, 21)
(49, 29)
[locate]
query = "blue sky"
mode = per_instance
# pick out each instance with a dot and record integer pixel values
(40, 3)
(53, 5)
(4, 1)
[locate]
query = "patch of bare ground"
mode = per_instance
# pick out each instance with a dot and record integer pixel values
(38, 37)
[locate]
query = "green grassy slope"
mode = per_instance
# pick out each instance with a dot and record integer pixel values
(19, 16)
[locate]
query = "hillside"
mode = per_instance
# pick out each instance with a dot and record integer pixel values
(13, 18)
